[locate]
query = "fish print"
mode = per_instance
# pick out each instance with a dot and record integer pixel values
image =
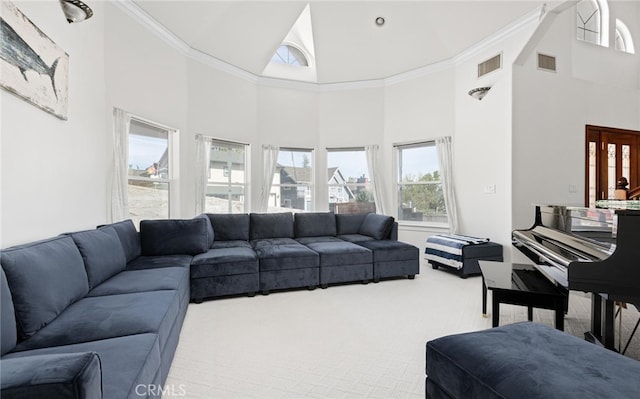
(18, 53)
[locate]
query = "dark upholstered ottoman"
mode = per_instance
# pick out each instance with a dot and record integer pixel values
(393, 258)
(230, 268)
(285, 263)
(342, 261)
(527, 360)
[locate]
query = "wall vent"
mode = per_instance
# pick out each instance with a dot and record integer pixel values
(490, 65)
(547, 62)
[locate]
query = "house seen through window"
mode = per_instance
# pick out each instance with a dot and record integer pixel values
(349, 183)
(227, 183)
(149, 171)
(292, 184)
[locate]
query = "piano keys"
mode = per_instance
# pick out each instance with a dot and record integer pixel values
(590, 250)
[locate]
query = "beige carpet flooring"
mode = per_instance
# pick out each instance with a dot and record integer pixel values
(347, 341)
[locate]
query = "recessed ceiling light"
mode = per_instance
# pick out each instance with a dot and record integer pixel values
(379, 21)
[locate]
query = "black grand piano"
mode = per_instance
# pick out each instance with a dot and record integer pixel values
(591, 250)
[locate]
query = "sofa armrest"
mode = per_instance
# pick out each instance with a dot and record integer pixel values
(393, 235)
(69, 375)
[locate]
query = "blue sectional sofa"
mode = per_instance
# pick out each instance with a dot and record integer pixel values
(252, 253)
(98, 313)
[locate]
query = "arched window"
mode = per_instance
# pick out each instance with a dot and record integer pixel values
(290, 55)
(593, 21)
(624, 41)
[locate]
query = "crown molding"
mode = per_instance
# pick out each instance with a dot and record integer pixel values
(531, 18)
(146, 20)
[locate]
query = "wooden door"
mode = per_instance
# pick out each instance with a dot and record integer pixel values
(610, 154)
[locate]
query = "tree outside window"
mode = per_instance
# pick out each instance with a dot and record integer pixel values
(420, 196)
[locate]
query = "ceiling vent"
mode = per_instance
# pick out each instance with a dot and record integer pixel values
(490, 65)
(547, 62)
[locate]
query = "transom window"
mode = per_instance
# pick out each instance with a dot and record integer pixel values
(349, 183)
(624, 41)
(292, 184)
(287, 54)
(420, 196)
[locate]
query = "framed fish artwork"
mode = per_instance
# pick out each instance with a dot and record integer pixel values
(32, 66)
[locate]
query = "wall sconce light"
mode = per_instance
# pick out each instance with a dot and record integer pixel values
(75, 10)
(479, 92)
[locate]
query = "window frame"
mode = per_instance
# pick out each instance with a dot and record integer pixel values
(397, 184)
(246, 189)
(173, 139)
(311, 184)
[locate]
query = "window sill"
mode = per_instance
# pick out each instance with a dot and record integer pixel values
(422, 226)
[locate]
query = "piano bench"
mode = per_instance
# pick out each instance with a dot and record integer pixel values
(526, 360)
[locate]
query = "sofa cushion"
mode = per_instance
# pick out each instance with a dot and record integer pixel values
(376, 226)
(269, 242)
(210, 233)
(156, 262)
(8, 317)
(111, 316)
(133, 281)
(355, 237)
(228, 227)
(224, 262)
(173, 237)
(349, 223)
(309, 240)
(59, 376)
(231, 244)
(287, 256)
(127, 362)
(391, 251)
(44, 277)
(271, 225)
(314, 224)
(341, 253)
(102, 253)
(129, 238)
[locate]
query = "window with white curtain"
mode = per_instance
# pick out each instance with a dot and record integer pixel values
(292, 184)
(348, 181)
(420, 194)
(227, 177)
(150, 170)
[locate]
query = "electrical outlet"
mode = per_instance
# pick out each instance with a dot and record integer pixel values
(490, 189)
(573, 188)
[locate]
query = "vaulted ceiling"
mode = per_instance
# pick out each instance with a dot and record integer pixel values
(349, 46)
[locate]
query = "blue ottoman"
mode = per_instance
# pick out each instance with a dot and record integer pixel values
(527, 360)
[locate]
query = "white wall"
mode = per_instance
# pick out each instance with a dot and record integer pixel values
(54, 171)
(593, 85)
(220, 106)
(148, 78)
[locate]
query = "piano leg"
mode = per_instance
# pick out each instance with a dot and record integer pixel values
(596, 316)
(484, 298)
(530, 313)
(602, 322)
(608, 333)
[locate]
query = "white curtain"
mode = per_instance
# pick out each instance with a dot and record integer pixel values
(269, 161)
(203, 160)
(119, 205)
(445, 162)
(373, 165)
